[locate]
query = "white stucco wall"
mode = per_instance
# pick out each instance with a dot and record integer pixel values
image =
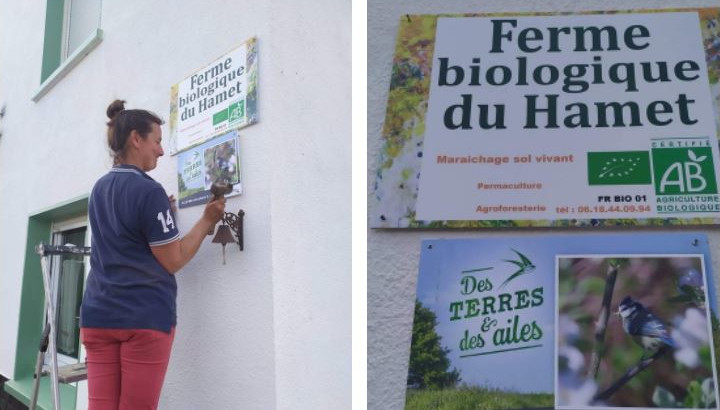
(271, 328)
(393, 255)
(310, 216)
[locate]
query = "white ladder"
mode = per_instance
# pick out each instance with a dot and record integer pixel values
(65, 374)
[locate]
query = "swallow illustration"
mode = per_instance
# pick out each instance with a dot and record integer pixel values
(525, 265)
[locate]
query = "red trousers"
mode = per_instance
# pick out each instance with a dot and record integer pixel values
(126, 367)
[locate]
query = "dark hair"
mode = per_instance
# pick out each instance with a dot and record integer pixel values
(121, 124)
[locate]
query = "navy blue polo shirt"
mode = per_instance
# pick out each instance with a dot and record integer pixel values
(127, 288)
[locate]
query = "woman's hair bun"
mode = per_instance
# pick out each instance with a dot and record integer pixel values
(114, 108)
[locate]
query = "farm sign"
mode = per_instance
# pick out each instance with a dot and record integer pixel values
(216, 98)
(552, 120)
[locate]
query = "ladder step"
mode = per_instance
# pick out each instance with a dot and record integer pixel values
(70, 373)
(44, 250)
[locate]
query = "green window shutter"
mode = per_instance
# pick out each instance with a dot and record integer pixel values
(54, 15)
(32, 301)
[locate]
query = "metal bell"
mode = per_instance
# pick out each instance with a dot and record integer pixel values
(223, 236)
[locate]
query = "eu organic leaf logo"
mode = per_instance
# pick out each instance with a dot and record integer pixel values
(616, 168)
(619, 168)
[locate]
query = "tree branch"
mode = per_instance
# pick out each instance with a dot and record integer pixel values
(640, 366)
(602, 320)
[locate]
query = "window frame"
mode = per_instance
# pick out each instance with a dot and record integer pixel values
(65, 42)
(56, 229)
(54, 65)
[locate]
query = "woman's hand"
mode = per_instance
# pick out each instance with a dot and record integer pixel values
(173, 205)
(214, 210)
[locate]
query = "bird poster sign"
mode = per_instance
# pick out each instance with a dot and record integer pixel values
(217, 160)
(552, 119)
(566, 322)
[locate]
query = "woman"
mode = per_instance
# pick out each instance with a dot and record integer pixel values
(128, 311)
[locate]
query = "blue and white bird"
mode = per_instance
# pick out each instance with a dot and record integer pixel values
(645, 328)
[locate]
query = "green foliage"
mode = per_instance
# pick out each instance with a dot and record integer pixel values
(428, 359)
(186, 193)
(474, 398)
(712, 77)
(181, 183)
(689, 294)
(592, 285)
(698, 396)
(708, 392)
(663, 398)
(705, 355)
(618, 263)
(715, 325)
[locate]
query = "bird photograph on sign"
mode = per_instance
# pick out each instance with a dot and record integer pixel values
(634, 331)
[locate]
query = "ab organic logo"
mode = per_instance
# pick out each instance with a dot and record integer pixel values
(684, 171)
(237, 111)
(233, 114)
(684, 175)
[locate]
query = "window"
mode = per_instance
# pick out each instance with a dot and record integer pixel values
(72, 30)
(81, 19)
(67, 276)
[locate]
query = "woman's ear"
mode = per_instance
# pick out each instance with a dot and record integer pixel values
(135, 139)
